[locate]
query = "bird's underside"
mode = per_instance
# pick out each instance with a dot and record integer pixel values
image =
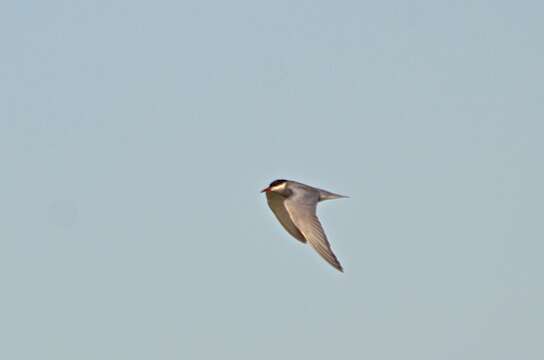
(276, 204)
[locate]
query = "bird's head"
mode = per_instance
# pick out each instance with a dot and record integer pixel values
(277, 186)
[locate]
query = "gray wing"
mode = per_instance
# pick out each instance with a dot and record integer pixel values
(302, 211)
(276, 204)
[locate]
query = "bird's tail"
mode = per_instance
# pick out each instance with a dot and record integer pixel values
(327, 195)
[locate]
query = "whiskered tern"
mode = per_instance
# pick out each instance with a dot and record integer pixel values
(295, 204)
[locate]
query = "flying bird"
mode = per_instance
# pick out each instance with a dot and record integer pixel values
(294, 205)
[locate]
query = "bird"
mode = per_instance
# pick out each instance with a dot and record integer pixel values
(295, 205)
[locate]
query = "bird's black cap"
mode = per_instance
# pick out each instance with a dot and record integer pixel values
(277, 182)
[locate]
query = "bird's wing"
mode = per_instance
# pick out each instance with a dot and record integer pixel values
(302, 211)
(276, 204)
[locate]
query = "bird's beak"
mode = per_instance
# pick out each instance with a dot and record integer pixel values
(266, 189)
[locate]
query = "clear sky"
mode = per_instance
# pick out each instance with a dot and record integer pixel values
(135, 137)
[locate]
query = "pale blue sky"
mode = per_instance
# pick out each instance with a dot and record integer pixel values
(135, 136)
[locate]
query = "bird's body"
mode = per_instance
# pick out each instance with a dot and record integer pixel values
(294, 205)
